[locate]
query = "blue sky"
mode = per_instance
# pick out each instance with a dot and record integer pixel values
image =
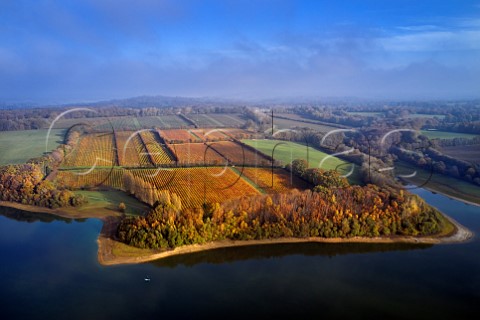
(69, 51)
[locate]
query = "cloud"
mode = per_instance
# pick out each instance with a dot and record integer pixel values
(421, 28)
(103, 49)
(225, 76)
(433, 41)
(468, 22)
(247, 70)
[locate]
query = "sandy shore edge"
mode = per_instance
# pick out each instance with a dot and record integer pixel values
(106, 243)
(435, 191)
(107, 257)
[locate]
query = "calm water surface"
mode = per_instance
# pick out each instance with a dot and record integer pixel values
(49, 269)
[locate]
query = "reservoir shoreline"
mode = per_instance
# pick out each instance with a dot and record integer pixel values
(107, 245)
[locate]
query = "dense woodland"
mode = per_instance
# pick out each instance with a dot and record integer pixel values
(25, 184)
(463, 117)
(327, 211)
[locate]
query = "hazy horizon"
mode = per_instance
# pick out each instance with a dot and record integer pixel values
(86, 51)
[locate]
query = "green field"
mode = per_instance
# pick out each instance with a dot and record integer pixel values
(19, 146)
(288, 151)
(107, 202)
(440, 183)
(434, 134)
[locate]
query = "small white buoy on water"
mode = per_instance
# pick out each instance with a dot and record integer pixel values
(147, 279)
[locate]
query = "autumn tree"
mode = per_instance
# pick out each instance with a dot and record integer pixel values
(298, 167)
(122, 207)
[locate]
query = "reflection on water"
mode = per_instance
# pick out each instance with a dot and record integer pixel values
(27, 216)
(257, 252)
(50, 270)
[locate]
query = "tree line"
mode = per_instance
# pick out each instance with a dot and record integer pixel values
(148, 192)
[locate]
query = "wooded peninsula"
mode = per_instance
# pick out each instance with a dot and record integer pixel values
(212, 178)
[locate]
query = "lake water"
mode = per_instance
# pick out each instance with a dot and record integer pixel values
(49, 269)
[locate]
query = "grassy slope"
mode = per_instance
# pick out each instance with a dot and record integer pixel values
(19, 146)
(291, 151)
(440, 183)
(106, 202)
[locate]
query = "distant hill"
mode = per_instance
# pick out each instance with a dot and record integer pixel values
(160, 101)
(163, 101)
